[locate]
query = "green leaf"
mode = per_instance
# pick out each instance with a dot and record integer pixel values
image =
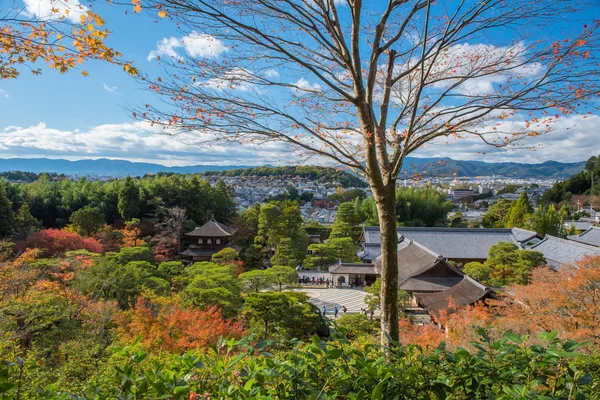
(377, 393)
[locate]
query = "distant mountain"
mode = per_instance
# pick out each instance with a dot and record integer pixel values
(422, 166)
(101, 167)
(449, 167)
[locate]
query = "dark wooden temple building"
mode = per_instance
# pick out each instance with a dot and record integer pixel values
(208, 239)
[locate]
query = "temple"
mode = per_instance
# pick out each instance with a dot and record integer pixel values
(207, 240)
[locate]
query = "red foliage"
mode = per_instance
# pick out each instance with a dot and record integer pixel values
(167, 325)
(55, 242)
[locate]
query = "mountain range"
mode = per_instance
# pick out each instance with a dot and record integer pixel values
(413, 166)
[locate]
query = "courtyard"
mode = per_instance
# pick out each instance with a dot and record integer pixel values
(353, 299)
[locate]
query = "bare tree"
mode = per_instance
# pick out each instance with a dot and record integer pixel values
(169, 229)
(365, 84)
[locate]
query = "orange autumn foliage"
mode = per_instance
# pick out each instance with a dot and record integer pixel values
(567, 301)
(427, 336)
(62, 40)
(165, 324)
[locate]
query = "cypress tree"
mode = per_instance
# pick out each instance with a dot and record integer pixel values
(6, 214)
(515, 218)
(129, 200)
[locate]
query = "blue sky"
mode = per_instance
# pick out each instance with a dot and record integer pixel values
(71, 116)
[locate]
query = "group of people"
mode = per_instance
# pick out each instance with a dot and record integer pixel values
(367, 312)
(318, 281)
(336, 311)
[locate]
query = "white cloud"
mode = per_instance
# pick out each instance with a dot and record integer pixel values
(3, 93)
(302, 86)
(110, 89)
(572, 138)
(43, 9)
(195, 44)
(272, 74)
(136, 141)
(236, 79)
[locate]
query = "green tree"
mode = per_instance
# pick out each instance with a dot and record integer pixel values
(285, 254)
(325, 254)
(354, 326)
(506, 265)
(494, 217)
(25, 223)
(347, 223)
(518, 212)
(285, 313)
(373, 297)
(282, 276)
(213, 284)
(422, 206)
(253, 257)
(479, 271)
(129, 200)
(6, 214)
(225, 255)
(547, 221)
(255, 280)
(87, 221)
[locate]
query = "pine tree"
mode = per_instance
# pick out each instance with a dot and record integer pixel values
(24, 221)
(516, 216)
(347, 223)
(129, 200)
(285, 254)
(6, 214)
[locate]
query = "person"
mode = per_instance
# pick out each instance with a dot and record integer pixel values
(372, 314)
(324, 311)
(344, 309)
(335, 312)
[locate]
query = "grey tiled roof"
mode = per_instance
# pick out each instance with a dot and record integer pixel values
(369, 252)
(590, 236)
(429, 283)
(451, 243)
(466, 292)
(561, 252)
(523, 235)
(212, 229)
(579, 225)
(350, 268)
(421, 269)
(191, 252)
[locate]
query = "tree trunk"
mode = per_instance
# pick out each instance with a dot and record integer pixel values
(385, 199)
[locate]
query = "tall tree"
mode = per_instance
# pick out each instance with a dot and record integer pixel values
(129, 200)
(519, 210)
(365, 84)
(87, 221)
(6, 214)
(347, 223)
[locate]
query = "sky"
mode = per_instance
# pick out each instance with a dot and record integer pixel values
(70, 116)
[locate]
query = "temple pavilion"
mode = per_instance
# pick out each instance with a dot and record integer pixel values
(208, 239)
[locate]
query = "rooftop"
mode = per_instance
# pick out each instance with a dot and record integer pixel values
(591, 236)
(419, 268)
(351, 268)
(212, 229)
(467, 291)
(451, 243)
(561, 252)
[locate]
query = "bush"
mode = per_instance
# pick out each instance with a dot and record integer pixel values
(54, 242)
(506, 369)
